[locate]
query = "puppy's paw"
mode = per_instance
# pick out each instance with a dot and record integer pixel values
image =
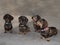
(42, 37)
(5, 32)
(28, 31)
(48, 39)
(20, 33)
(25, 33)
(11, 32)
(35, 30)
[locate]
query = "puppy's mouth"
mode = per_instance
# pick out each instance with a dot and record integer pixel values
(6, 23)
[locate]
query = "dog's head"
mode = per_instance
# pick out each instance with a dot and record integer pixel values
(23, 19)
(8, 17)
(36, 18)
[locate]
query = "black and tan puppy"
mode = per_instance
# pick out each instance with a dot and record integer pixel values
(42, 23)
(51, 31)
(35, 18)
(23, 28)
(8, 25)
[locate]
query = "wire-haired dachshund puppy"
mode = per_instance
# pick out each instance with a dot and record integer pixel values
(8, 25)
(37, 19)
(23, 28)
(51, 31)
(41, 26)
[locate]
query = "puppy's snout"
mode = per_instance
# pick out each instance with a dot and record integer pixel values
(42, 31)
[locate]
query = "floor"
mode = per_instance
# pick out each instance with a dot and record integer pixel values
(47, 9)
(32, 38)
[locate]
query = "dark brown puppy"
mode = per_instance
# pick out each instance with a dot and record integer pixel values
(49, 33)
(23, 28)
(8, 25)
(37, 27)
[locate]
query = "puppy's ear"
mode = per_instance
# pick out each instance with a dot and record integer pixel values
(26, 19)
(11, 17)
(38, 17)
(19, 18)
(4, 17)
(32, 17)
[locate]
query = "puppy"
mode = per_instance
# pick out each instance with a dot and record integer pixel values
(23, 28)
(8, 25)
(48, 33)
(37, 27)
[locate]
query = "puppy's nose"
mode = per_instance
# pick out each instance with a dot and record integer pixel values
(42, 31)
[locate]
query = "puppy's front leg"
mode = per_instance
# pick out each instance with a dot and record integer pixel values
(25, 33)
(48, 39)
(42, 37)
(5, 31)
